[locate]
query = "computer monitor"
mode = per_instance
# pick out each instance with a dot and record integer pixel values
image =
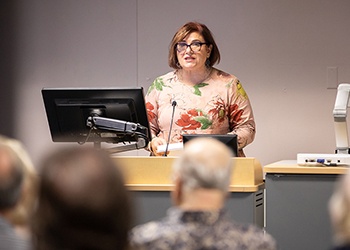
(228, 139)
(96, 115)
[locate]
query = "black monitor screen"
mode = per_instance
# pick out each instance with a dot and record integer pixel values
(229, 139)
(68, 110)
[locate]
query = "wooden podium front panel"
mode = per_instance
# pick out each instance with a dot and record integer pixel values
(154, 173)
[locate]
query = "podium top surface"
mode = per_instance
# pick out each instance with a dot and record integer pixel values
(291, 167)
(145, 173)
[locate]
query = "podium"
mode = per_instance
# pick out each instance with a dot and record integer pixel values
(149, 181)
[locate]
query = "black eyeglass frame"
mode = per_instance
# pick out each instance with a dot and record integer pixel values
(190, 45)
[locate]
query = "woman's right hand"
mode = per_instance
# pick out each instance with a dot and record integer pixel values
(157, 141)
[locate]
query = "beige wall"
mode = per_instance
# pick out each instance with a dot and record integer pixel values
(280, 50)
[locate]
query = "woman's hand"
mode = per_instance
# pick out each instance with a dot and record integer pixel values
(157, 141)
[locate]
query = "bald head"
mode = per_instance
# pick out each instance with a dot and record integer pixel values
(204, 163)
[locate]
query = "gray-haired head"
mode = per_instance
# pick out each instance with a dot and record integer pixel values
(204, 163)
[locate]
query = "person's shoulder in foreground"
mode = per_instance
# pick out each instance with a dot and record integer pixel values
(199, 230)
(9, 239)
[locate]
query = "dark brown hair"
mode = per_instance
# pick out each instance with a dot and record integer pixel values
(83, 203)
(183, 32)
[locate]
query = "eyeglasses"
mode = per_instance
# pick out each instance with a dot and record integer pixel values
(195, 46)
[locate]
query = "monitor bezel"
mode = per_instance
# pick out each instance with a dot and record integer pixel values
(229, 140)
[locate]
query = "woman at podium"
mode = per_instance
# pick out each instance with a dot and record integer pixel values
(196, 98)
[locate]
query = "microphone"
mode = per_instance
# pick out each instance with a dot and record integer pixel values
(171, 126)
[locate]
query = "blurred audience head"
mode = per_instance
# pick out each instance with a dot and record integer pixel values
(205, 164)
(83, 203)
(20, 215)
(11, 178)
(339, 209)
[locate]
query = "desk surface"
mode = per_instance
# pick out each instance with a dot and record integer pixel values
(146, 173)
(291, 167)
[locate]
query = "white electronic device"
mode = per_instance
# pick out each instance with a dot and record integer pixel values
(339, 113)
(342, 153)
(323, 159)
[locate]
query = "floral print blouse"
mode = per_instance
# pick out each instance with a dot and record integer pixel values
(219, 105)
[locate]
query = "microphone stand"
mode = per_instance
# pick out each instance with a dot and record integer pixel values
(171, 126)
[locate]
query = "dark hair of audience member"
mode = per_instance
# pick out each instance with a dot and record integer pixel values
(83, 203)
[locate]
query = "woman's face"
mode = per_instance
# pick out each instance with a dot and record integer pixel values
(192, 60)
